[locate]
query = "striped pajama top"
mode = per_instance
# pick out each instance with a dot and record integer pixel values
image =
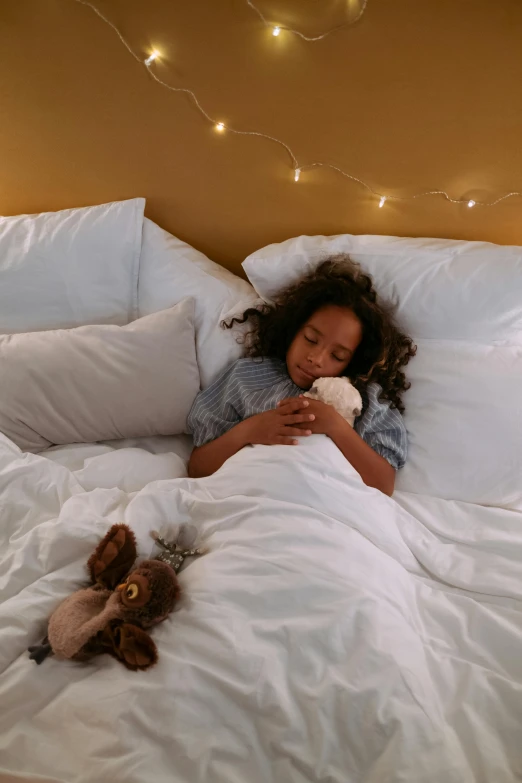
(252, 386)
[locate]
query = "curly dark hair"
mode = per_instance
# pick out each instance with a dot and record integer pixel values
(384, 350)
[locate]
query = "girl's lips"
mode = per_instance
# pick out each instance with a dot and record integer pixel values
(306, 375)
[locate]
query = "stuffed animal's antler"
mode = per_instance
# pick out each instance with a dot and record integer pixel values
(180, 548)
(114, 557)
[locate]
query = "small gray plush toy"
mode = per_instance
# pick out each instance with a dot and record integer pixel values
(178, 548)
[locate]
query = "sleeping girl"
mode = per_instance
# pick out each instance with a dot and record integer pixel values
(330, 323)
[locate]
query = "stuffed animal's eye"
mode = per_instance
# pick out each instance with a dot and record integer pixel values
(131, 592)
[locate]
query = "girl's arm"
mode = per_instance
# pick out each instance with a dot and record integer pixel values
(374, 470)
(272, 427)
(206, 459)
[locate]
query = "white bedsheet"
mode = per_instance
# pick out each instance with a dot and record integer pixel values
(330, 634)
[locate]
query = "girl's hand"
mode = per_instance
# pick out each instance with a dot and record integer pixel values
(325, 418)
(280, 426)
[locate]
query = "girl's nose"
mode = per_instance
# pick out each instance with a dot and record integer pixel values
(315, 357)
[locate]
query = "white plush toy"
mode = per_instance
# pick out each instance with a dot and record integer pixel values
(339, 393)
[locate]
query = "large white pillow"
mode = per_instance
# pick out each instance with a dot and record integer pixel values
(68, 268)
(171, 270)
(464, 419)
(99, 382)
(462, 304)
(445, 289)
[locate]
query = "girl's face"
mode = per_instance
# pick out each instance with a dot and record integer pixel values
(324, 345)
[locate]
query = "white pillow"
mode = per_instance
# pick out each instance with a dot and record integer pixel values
(462, 303)
(99, 382)
(464, 419)
(171, 270)
(445, 289)
(68, 268)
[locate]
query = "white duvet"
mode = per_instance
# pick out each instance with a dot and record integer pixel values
(330, 634)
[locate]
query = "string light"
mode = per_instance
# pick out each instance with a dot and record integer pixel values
(296, 166)
(151, 58)
(301, 35)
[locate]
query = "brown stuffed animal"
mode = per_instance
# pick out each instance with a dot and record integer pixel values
(110, 615)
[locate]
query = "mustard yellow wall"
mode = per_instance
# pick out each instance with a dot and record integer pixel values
(419, 94)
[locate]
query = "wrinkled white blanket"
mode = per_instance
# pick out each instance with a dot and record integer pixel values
(331, 634)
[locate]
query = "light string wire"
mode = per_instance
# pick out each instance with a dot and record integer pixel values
(277, 28)
(298, 168)
(192, 95)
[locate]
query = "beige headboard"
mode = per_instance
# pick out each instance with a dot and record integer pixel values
(417, 95)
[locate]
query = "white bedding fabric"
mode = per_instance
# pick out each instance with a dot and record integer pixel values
(330, 634)
(70, 268)
(171, 270)
(97, 382)
(444, 289)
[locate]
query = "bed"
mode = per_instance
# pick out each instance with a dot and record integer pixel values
(330, 633)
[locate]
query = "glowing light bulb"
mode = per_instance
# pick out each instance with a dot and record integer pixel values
(276, 31)
(151, 58)
(471, 203)
(297, 174)
(220, 126)
(381, 202)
